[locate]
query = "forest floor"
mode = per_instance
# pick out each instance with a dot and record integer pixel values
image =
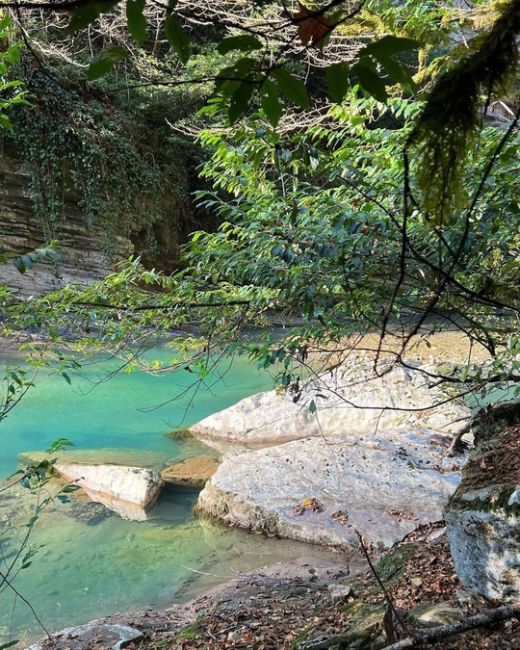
(274, 611)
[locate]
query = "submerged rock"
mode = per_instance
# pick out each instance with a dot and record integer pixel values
(129, 491)
(88, 512)
(106, 456)
(483, 517)
(321, 490)
(192, 472)
(353, 401)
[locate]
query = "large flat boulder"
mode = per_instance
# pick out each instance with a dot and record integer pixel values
(129, 491)
(350, 400)
(322, 489)
(483, 517)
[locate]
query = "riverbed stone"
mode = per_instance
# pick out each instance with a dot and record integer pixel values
(340, 592)
(104, 456)
(483, 517)
(129, 491)
(350, 400)
(88, 512)
(323, 490)
(192, 472)
(92, 635)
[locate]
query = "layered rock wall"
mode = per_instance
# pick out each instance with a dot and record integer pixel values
(81, 254)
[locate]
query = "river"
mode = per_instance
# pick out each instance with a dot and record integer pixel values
(85, 570)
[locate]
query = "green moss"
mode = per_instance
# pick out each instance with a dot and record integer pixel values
(189, 633)
(84, 147)
(391, 567)
(448, 125)
(179, 434)
(499, 505)
(302, 636)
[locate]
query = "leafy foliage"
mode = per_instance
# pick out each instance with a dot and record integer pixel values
(11, 93)
(311, 227)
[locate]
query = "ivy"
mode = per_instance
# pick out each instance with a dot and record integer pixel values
(79, 146)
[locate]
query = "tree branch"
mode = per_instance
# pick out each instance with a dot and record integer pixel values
(441, 632)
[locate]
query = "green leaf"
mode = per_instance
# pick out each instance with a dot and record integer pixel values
(23, 263)
(270, 103)
(240, 101)
(244, 42)
(337, 81)
(389, 45)
(10, 644)
(135, 20)
(59, 444)
(87, 13)
(291, 87)
(177, 37)
(370, 82)
(398, 72)
(230, 77)
(13, 54)
(105, 61)
(66, 377)
(5, 122)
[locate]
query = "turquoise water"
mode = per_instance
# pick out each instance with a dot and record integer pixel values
(83, 571)
(123, 411)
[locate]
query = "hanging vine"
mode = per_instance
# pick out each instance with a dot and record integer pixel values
(117, 163)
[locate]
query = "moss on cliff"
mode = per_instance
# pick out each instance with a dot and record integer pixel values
(107, 147)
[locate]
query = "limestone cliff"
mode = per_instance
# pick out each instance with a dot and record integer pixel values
(81, 255)
(99, 173)
(84, 255)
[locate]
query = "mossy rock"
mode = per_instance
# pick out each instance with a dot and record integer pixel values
(392, 566)
(370, 627)
(180, 434)
(433, 614)
(483, 515)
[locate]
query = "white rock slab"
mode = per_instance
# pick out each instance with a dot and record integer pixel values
(354, 402)
(384, 486)
(126, 490)
(485, 546)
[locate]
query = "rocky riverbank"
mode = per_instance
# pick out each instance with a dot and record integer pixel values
(372, 465)
(297, 605)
